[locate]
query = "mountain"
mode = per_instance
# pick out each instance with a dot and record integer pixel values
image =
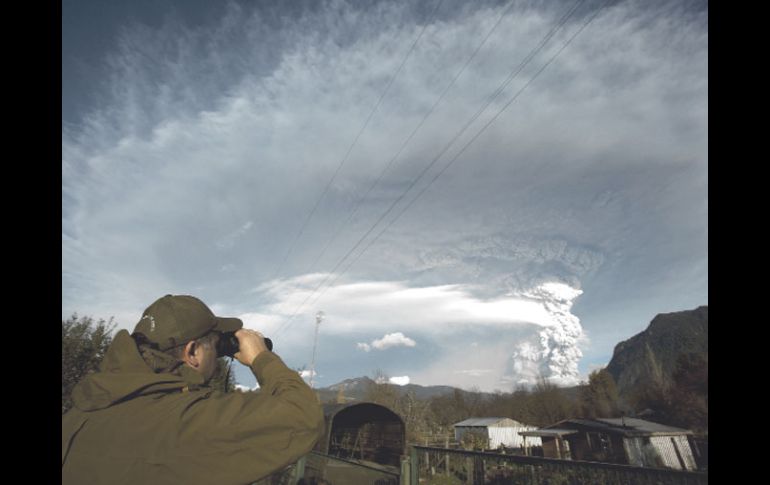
(651, 355)
(356, 389)
(353, 389)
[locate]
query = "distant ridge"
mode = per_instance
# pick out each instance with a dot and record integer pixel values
(355, 390)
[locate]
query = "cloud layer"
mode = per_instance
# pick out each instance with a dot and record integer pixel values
(209, 146)
(524, 335)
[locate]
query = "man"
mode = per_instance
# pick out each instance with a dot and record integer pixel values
(148, 417)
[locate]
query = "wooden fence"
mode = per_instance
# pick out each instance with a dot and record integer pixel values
(442, 466)
(427, 465)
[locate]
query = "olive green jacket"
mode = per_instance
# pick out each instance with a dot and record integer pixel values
(130, 425)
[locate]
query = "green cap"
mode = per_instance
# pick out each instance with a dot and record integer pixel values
(177, 319)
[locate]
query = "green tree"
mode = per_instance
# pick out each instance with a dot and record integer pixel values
(83, 344)
(600, 398)
(687, 405)
(683, 402)
(474, 440)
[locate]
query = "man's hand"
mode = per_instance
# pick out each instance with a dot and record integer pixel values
(251, 343)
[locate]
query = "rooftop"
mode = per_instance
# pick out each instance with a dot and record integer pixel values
(487, 422)
(626, 426)
(548, 432)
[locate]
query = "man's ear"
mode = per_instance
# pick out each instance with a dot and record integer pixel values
(188, 356)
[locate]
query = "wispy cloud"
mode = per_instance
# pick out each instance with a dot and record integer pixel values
(228, 241)
(474, 372)
(210, 145)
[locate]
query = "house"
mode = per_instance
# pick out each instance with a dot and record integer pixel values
(495, 431)
(629, 441)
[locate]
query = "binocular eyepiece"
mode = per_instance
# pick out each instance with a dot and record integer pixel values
(227, 346)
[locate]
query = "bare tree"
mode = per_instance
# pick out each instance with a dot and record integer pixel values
(549, 404)
(381, 391)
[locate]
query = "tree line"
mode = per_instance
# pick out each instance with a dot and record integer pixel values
(683, 402)
(541, 405)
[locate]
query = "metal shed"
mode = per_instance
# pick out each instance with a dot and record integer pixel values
(497, 431)
(629, 441)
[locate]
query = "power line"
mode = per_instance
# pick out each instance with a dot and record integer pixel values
(404, 144)
(465, 147)
(409, 138)
(350, 149)
(491, 98)
(497, 92)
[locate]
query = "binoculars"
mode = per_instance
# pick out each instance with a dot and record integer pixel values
(228, 345)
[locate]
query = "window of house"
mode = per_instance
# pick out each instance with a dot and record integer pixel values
(599, 442)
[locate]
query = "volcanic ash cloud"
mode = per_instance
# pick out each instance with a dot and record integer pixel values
(553, 352)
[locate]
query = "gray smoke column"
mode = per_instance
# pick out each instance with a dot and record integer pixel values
(553, 352)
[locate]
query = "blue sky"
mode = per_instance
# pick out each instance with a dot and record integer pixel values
(243, 152)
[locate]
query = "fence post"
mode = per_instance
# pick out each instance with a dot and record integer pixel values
(299, 470)
(469, 469)
(414, 477)
(446, 445)
(478, 470)
(405, 480)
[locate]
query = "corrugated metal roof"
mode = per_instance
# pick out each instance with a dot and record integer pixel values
(548, 432)
(642, 425)
(486, 422)
(626, 426)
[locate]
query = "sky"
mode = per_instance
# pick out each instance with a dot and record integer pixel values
(474, 194)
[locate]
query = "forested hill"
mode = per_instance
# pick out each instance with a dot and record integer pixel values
(651, 357)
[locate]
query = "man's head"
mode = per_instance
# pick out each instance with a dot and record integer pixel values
(185, 327)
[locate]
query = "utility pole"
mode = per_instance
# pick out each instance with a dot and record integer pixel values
(318, 319)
